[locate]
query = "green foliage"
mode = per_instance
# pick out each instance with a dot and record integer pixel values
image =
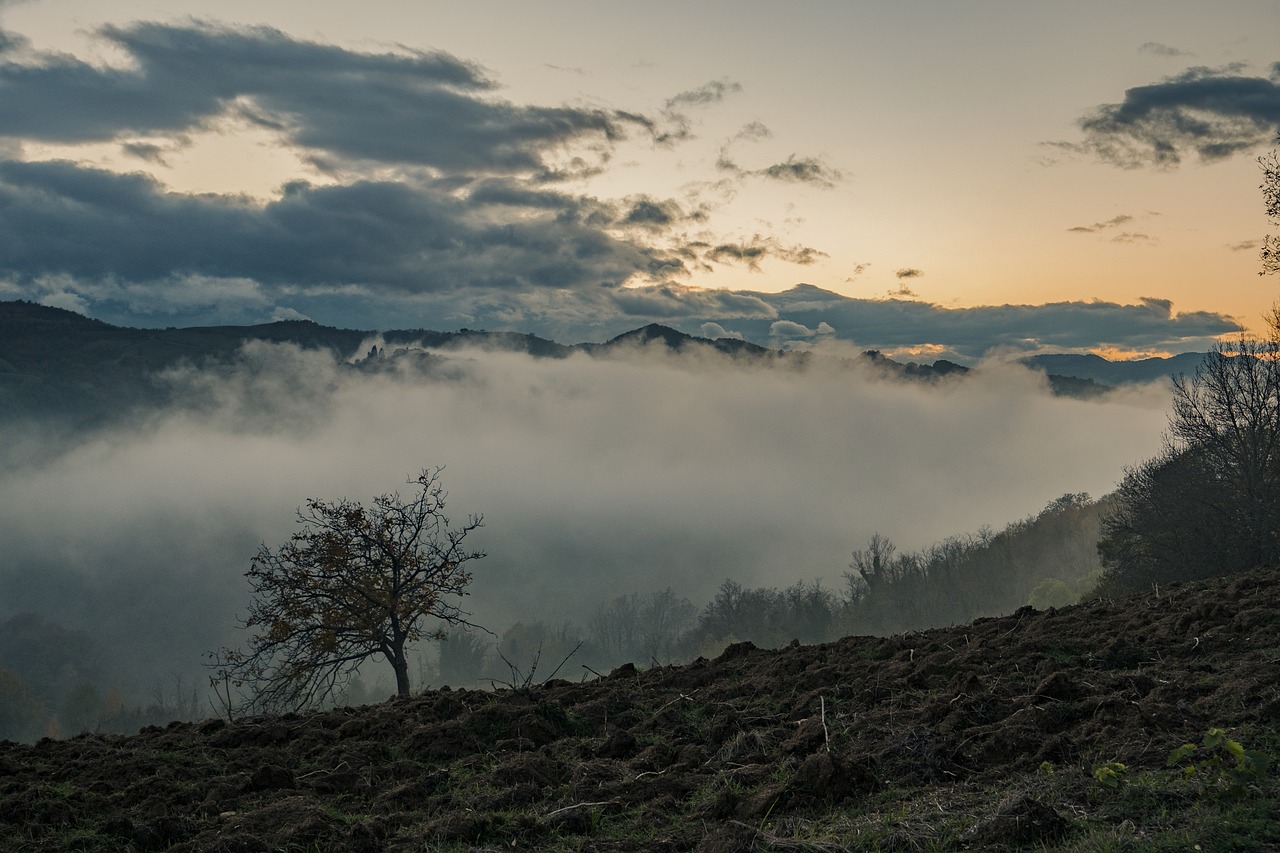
(1112, 774)
(1052, 592)
(1220, 766)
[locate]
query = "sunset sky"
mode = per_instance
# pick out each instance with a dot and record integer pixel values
(946, 178)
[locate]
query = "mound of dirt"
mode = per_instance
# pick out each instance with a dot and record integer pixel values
(677, 758)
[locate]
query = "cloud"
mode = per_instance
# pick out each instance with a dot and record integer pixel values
(1245, 246)
(1214, 112)
(1113, 222)
(104, 229)
(753, 132)
(1157, 49)
(678, 124)
(658, 214)
(795, 169)
(146, 151)
(705, 95)
(750, 252)
(970, 333)
(141, 535)
(908, 272)
(341, 107)
(714, 331)
(960, 334)
(1131, 237)
(790, 329)
(803, 170)
(434, 186)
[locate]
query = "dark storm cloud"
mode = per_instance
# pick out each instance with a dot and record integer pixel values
(60, 219)
(1214, 112)
(408, 108)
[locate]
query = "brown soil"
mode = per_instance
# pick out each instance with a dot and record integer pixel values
(704, 756)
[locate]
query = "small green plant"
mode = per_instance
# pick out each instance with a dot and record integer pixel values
(1224, 767)
(1110, 774)
(1046, 768)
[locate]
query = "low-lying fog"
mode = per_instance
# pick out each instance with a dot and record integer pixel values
(595, 477)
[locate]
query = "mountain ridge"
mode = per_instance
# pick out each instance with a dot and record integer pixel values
(54, 361)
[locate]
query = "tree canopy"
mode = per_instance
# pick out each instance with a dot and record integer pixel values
(354, 582)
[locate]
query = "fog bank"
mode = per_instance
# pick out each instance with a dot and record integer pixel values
(596, 477)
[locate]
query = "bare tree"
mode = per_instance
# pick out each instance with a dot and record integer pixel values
(1209, 503)
(1270, 187)
(1230, 412)
(353, 583)
(874, 564)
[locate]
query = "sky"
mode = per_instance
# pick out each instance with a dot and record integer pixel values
(928, 179)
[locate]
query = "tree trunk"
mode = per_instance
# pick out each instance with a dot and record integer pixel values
(401, 665)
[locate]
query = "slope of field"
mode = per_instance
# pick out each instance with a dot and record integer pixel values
(991, 735)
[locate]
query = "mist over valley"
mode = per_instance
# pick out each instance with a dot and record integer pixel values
(601, 472)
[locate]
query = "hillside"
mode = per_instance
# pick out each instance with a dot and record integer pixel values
(58, 364)
(1098, 369)
(985, 736)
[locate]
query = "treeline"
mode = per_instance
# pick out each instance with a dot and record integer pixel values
(56, 682)
(1209, 502)
(1047, 560)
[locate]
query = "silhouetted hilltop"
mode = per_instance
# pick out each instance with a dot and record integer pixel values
(55, 362)
(677, 341)
(1099, 369)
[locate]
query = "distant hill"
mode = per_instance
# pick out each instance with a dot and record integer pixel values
(1115, 373)
(56, 363)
